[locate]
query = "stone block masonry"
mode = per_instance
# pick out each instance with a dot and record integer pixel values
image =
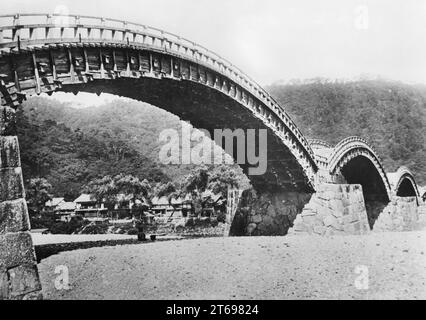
(19, 277)
(422, 215)
(267, 214)
(334, 209)
(401, 214)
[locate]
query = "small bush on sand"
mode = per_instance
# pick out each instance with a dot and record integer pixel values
(75, 224)
(95, 228)
(132, 231)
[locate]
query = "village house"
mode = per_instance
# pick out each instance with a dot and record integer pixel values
(53, 203)
(213, 204)
(126, 207)
(65, 211)
(89, 208)
(176, 208)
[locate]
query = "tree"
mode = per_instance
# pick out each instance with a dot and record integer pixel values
(104, 190)
(221, 178)
(108, 189)
(132, 186)
(197, 181)
(37, 194)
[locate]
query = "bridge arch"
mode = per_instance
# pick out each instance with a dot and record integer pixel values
(47, 53)
(353, 161)
(403, 183)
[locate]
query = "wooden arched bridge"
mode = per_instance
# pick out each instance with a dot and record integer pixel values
(44, 53)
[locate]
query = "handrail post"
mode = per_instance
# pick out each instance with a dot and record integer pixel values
(77, 22)
(15, 31)
(102, 30)
(16, 19)
(125, 30)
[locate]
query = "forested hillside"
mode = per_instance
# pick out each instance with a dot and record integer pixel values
(71, 147)
(390, 115)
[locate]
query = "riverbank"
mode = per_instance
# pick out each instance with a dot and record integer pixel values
(291, 267)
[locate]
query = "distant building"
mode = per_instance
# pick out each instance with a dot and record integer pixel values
(52, 204)
(65, 211)
(213, 204)
(88, 207)
(175, 208)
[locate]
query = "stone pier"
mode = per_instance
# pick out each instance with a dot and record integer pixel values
(19, 277)
(333, 209)
(269, 213)
(401, 214)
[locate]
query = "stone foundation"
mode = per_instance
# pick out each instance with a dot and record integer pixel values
(422, 215)
(267, 214)
(18, 269)
(333, 209)
(401, 214)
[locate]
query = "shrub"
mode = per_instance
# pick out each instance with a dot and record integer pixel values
(95, 228)
(60, 228)
(45, 220)
(221, 217)
(122, 228)
(190, 222)
(132, 231)
(75, 224)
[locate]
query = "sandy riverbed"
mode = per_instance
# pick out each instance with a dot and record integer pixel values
(41, 239)
(292, 267)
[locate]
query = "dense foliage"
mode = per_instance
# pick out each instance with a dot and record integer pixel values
(390, 115)
(72, 148)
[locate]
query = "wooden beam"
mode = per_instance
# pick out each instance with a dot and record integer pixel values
(52, 63)
(128, 64)
(72, 74)
(15, 74)
(86, 60)
(114, 61)
(102, 64)
(151, 67)
(139, 61)
(36, 74)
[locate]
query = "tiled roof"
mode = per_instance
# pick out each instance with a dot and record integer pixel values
(67, 206)
(54, 202)
(84, 198)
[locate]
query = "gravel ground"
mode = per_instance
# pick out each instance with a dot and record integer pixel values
(291, 267)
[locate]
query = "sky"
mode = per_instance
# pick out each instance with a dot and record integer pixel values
(280, 40)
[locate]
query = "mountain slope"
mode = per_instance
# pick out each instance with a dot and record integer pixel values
(390, 115)
(70, 146)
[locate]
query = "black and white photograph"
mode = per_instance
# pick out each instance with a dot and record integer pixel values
(223, 151)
